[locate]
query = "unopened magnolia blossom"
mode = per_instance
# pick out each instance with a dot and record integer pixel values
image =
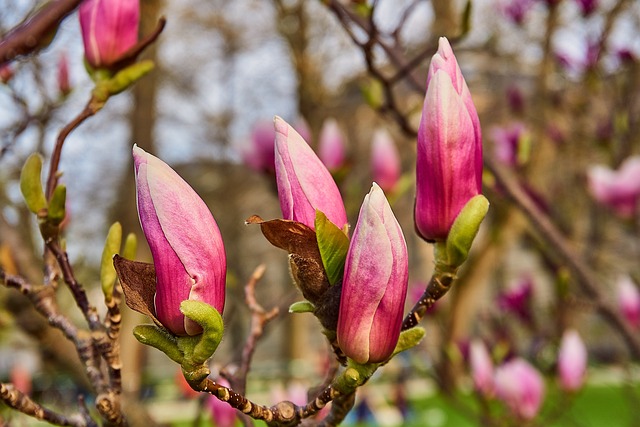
(304, 183)
(449, 163)
(109, 30)
(375, 283)
(185, 242)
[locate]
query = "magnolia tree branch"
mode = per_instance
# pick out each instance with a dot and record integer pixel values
(538, 219)
(89, 110)
(90, 346)
(259, 318)
(34, 32)
(554, 238)
(19, 401)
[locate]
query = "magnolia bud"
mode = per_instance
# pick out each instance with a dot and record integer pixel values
(374, 287)
(109, 29)
(449, 164)
(185, 243)
(304, 183)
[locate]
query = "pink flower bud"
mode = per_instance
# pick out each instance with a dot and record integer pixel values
(629, 300)
(516, 10)
(481, 368)
(331, 147)
(302, 127)
(375, 283)
(6, 73)
(520, 386)
(222, 414)
(572, 361)
(449, 164)
(587, 7)
(63, 75)
(507, 143)
(109, 29)
(185, 243)
(619, 190)
(517, 299)
(385, 160)
(304, 183)
(258, 154)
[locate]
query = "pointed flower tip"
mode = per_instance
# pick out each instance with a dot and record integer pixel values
(304, 183)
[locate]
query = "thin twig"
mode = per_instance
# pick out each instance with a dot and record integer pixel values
(19, 401)
(30, 34)
(259, 318)
(561, 246)
(88, 111)
(79, 294)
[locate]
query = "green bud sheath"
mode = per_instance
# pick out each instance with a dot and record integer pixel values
(30, 184)
(107, 270)
(130, 247)
(302, 307)
(211, 321)
(333, 244)
(463, 232)
(57, 205)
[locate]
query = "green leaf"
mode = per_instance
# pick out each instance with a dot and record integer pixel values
(302, 307)
(57, 205)
(126, 77)
(107, 270)
(333, 245)
(30, 184)
(409, 339)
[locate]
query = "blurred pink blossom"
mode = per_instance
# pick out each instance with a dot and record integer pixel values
(619, 190)
(331, 146)
(385, 160)
(481, 367)
(572, 361)
(302, 127)
(6, 73)
(587, 7)
(258, 154)
(508, 143)
(517, 299)
(520, 386)
(64, 86)
(629, 300)
(516, 10)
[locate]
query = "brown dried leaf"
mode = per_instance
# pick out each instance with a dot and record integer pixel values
(294, 237)
(305, 259)
(138, 281)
